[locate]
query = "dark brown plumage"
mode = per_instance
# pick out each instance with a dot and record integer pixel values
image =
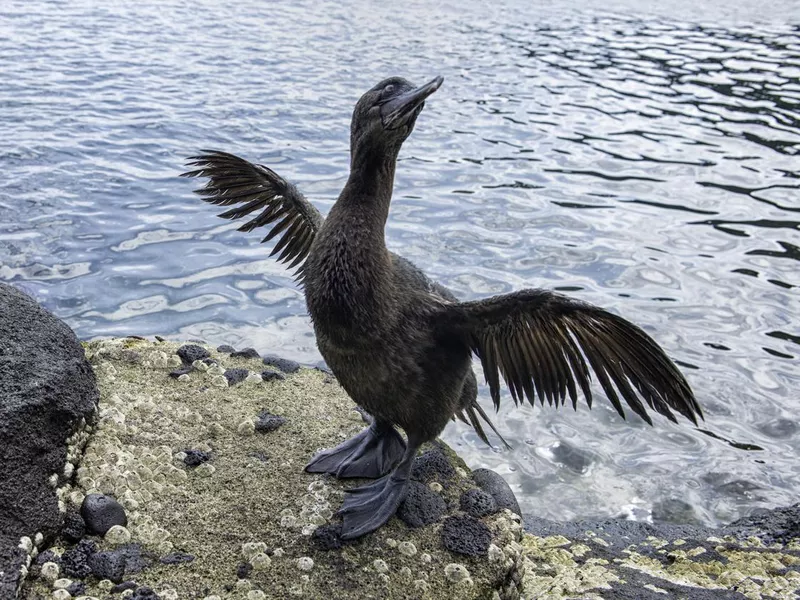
(401, 344)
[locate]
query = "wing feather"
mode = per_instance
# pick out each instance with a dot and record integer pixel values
(546, 345)
(233, 180)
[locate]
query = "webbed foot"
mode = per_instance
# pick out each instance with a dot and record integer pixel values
(371, 453)
(368, 507)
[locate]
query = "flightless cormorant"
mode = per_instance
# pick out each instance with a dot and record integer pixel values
(400, 344)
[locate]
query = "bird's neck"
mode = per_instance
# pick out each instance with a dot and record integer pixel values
(369, 187)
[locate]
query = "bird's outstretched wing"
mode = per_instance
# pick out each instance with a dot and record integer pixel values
(233, 180)
(540, 343)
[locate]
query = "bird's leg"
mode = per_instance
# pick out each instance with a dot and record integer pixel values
(368, 507)
(370, 453)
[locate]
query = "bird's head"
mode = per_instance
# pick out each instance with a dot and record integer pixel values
(384, 116)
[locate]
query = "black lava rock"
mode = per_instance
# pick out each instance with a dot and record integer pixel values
(466, 535)
(268, 375)
(135, 560)
(494, 484)
(145, 593)
(74, 527)
(125, 585)
(101, 513)
(46, 387)
(284, 364)
(47, 556)
(192, 352)
(246, 353)
(226, 349)
(268, 422)
(235, 376)
(178, 372)
(477, 503)
(422, 506)
(432, 466)
(328, 537)
(76, 588)
(243, 570)
(195, 458)
(108, 565)
(75, 561)
(780, 525)
(176, 558)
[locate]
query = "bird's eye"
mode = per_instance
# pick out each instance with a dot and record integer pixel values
(388, 89)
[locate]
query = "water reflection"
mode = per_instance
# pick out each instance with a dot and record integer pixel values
(627, 157)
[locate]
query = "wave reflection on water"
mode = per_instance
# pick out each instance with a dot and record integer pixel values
(639, 161)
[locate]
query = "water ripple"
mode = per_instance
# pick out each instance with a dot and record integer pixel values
(627, 156)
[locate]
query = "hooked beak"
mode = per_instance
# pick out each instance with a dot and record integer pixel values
(399, 110)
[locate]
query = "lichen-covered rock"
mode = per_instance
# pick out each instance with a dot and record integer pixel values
(47, 389)
(260, 529)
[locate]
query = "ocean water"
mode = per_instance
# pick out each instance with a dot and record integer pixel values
(643, 156)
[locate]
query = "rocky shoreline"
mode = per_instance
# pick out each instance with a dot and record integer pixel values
(204, 449)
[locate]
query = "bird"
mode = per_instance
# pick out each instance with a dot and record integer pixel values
(402, 345)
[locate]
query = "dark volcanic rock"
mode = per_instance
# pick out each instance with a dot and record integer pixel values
(192, 352)
(268, 422)
(328, 537)
(176, 558)
(47, 556)
(268, 375)
(780, 525)
(75, 561)
(477, 503)
(76, 588)
(422, 506)
(243, 570)
(226, 349)
(46, 389)
(145, 593)
(178, 372)
(235, 376)
(195, 458)
(101, 513)
(246, 353)
(74, 527)
(432, 466)
(284, 364)
(125, 585)
(466, 535)
(108, 565)
(494, 484)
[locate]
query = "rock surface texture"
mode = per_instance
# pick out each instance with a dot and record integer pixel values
(248, 523)
(47, 390)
